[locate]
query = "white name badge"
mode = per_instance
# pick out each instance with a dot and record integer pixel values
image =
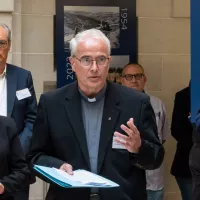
(22, 94)
(116, 145)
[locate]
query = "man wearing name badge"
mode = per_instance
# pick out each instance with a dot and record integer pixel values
(133, 76)
(97, 126)
(17, 98)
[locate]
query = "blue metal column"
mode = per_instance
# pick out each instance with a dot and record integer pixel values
(195, 57)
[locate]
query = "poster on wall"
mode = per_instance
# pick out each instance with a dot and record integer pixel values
(116, 19)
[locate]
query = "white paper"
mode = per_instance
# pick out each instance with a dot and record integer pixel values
(80, 178)
(22, 94)
(116, 145)
(83, 177)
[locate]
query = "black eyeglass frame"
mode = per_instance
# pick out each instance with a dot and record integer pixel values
(129, 77)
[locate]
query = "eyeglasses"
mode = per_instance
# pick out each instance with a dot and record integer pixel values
(3, 44)
(86, 61)
(129, 77)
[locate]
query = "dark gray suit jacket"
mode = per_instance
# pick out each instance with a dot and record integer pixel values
(22, 111)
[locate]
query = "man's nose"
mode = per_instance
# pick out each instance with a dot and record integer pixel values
(133, 80)
(94, 66)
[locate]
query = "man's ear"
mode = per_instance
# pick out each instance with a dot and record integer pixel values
(9, 45)
(145, 78)
(72, 61)
(110, 58)
(122, 80)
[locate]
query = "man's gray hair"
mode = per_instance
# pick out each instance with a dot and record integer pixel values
(7, 30)
(90, 33)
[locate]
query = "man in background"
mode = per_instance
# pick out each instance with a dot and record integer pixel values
(17, 97)
(182, 130)
(133, 76)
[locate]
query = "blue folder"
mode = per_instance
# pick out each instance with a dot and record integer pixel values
(87, 179)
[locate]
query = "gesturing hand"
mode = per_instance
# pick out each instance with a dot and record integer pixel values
(132, 142)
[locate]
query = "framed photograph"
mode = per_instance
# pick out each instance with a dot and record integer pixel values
(117, 64)
(80, 18)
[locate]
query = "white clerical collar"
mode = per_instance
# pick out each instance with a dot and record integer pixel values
(94, 99)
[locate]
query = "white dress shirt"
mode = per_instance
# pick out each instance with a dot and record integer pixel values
(3, 93)
(155, 178)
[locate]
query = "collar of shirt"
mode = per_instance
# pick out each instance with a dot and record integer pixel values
(95, 99)
(4, 73)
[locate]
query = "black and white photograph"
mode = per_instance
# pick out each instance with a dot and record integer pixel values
(79, 18)
(116, 66)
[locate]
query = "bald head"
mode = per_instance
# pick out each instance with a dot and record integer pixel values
(133, 76)
(134, 65)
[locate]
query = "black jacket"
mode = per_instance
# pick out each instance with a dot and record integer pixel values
(182, 130)
(14, 173)
(59, 137)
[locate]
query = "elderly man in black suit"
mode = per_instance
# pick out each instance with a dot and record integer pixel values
(102, 127)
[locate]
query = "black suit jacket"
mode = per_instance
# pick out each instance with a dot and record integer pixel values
(22, 111)
(14, 173)
(59, 137)
(181, 130)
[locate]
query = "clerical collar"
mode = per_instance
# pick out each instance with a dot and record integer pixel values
(95, 99)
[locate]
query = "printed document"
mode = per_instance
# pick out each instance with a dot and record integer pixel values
(80, 178)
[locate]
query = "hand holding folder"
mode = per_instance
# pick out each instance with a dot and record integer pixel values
(80, 178)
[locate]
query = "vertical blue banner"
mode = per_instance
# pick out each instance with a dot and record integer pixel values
(195, 58)
(116, 18)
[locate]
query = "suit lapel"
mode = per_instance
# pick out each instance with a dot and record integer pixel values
(11, 78)
(74, 111)
(110, 115)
